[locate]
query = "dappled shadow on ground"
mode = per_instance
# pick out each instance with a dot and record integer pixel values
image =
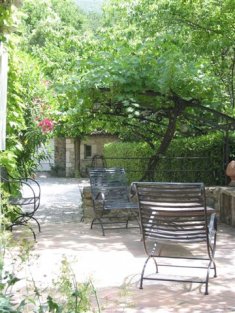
(164, 298)
(81, 237)
(114, 262)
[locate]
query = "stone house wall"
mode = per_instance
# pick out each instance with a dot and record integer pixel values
(59, 157)
(96, 142)
(69, 151)
(70, 157)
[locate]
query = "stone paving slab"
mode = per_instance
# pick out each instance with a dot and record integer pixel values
(60, 200)
(114, 262)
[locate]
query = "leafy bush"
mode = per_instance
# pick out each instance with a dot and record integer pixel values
(29, 99)
(131, 156)
(187, 159)
(66, 295)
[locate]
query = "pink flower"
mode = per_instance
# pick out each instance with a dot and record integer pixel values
(46, 125)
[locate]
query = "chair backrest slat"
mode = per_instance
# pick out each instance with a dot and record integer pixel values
(108, 177)
(112, 182)
(172, 211)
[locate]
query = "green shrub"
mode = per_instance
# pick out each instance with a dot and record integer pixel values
(131, 156)
(65, 295)
(187, 159)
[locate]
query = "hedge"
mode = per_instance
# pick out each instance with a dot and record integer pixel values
(187, 159)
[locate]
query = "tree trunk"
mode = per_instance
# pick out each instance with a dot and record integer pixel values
(77, 156)
(169, 135)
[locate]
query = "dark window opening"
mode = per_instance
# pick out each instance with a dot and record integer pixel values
(87, 151)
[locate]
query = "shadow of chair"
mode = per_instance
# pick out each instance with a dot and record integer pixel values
(176, 213)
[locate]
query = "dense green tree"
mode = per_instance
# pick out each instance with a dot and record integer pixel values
(154, 70)
(158, 69)
(44, 41)
(55, 32)
(52, 33)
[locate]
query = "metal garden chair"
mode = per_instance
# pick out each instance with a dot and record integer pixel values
(112, 203)
(25, 201)
(176, 213)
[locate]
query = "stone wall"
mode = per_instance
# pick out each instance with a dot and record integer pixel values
(87, 205)
(59, 157)
(64, 157)
(213, 196)
(70, 157)
(97, 143)
(65, 153)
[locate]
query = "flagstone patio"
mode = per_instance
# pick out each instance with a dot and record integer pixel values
(114, 262)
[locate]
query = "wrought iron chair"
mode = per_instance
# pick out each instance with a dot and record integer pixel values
(26, 201)
(111, 198)
(98, 161)
(176, 213)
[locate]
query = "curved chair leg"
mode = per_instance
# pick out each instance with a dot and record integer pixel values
(24, 219)
(211, 253)
(39, 226)
(211, 247)
(100, 222)
(144, 267)
(207, 278)
(26, 225)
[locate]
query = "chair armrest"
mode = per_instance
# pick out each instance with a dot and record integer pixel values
(212, 226)
(30, 182)
(34, 185)
(100, 196)
(133, 191)
(26, 192)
